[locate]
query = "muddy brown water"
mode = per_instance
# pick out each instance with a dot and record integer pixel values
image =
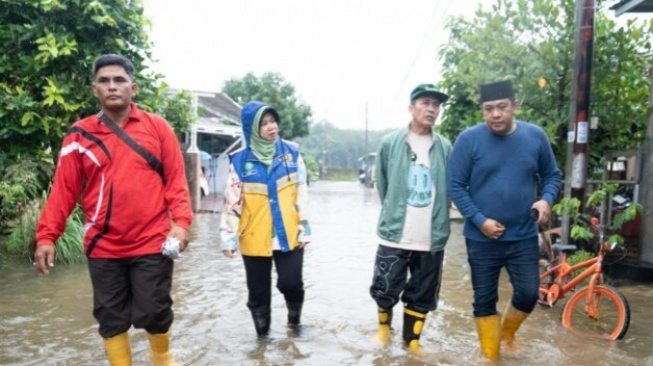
(48, 321)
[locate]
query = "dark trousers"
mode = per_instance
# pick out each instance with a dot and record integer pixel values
(420, 291)
(521, 261)
(289, 267)
(132, 291)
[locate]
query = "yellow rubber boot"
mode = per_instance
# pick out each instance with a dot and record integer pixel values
(383, 335)
(160, 349)
(118, 350)
(413, 326)
(510, 322)
(489, 329)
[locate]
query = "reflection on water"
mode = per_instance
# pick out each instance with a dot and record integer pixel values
(48, 321)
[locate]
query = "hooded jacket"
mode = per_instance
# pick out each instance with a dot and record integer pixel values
(264, 204)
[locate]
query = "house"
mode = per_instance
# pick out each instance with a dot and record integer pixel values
(218, 134)
(643, 268)
(215, 135)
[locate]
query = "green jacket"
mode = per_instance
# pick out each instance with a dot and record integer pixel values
(393, 161)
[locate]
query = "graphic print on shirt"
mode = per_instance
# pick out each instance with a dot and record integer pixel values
(420, 184)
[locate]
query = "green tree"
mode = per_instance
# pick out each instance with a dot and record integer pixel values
(337, 148)
(271, 88)
(532, 43)
(45, 71)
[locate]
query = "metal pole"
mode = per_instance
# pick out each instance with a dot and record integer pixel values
(578, 138)
(366, 114)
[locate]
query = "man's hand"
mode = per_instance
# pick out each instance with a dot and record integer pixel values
(228, 253)
(182, 235)
(545, 211)
(493, 229)
(44, 258)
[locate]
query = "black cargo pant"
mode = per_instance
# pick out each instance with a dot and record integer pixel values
(420, 291)
(132, 291)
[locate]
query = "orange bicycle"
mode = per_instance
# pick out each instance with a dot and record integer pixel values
(596, 310)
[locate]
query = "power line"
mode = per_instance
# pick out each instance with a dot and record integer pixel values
(432, 30)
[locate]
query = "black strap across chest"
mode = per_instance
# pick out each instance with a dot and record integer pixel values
(133, 144)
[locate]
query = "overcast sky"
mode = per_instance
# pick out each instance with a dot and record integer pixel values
(340, 55)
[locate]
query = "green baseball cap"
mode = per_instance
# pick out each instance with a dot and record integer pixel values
(428, 89)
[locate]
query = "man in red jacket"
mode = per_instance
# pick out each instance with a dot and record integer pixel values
(126, 168)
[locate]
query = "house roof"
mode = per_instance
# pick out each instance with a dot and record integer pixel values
(217, 113)
(632, 6)
(218, 105)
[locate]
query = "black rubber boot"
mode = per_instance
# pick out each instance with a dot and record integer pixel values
(413, 325)
(294, 313)
(261, 317)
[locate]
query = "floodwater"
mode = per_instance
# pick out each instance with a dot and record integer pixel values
(48, 321)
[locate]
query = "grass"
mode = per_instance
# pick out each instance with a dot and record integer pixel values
(20, 243)
(70, 246)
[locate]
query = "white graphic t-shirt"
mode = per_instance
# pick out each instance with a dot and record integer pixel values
(421, 194)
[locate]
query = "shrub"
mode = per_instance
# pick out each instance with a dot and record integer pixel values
(20, 243)
(578, 257)
(579, 230)
(22, 183)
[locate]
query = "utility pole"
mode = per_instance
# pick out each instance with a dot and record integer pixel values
(578, 135)
(366, 114)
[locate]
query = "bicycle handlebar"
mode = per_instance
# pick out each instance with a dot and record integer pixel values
(615, 245)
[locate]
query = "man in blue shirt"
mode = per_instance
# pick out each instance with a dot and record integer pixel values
(493, 176)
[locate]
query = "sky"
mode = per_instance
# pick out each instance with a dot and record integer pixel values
(354, 62)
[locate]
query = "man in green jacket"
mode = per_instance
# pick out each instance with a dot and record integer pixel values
(413, 227)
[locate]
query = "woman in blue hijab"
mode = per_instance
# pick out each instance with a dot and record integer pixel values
(265, 215)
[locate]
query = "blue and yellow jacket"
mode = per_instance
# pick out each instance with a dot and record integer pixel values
(264, 205)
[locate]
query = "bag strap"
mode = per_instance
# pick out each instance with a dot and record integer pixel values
(133, 144)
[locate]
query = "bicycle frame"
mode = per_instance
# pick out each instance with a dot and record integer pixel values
(560, 272)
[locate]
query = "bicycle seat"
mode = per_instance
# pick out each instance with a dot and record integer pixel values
(564, 247)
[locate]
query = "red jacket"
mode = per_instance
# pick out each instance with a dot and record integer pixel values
(128, 207)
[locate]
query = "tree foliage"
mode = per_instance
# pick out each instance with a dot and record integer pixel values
(271, 88)
(46, 69)
(532, 43)
(336, 148)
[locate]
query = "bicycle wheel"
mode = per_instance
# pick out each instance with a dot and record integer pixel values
(606, 315)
